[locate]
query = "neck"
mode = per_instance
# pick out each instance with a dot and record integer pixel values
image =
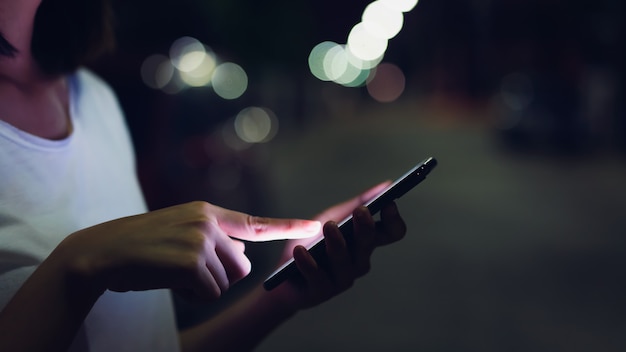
(29, 99)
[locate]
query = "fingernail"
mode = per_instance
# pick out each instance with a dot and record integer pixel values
(313, 226)
(331, 223)
(361, 212)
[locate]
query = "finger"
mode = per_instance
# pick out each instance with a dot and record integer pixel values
(306, 242)
(341, 264)
(235, 263)
(187, 273)
(364, 239)
(205, 286)
(314, 276)
(344, 209)
(392, 227)
(240, 245)
(215, 267)
(254, 228)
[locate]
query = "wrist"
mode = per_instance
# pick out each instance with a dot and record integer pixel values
(279, 301)
(78, 269)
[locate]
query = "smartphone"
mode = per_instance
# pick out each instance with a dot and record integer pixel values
(397, 189)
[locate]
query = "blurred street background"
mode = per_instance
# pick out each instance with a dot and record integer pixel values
(516, 240)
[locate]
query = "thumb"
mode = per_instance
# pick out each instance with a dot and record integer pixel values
(257, 229)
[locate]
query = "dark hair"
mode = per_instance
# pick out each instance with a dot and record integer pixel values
(69, 33)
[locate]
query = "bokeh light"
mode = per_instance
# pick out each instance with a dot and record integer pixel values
(229, 80)
(202, 73)
(256, 125)
(330, 61)
(359, 80)
(348, 68)
(187, 53)
(191, 63)
(352, 75)
(381, 20)
(363, 64)
(352, 64)
(156, 71)
(349, 75)
(335, 62)
(400, 5)
(364, 44)
(194, 61)
(387, 83)
(316, 59)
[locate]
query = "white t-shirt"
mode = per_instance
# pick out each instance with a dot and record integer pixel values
(50, 189)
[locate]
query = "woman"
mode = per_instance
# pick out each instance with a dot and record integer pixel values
(83, 266)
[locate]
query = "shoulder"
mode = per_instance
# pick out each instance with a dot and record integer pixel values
(86, 84)
(93, 98)
(96, 108)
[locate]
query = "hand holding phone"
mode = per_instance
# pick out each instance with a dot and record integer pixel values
(318, 249)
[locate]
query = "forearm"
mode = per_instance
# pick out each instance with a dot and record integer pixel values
(47, 311)
(241, 327)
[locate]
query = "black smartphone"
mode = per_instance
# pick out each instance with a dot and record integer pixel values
(397, 189)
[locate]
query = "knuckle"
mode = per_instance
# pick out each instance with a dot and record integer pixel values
(200, 218)
(200, 210)
(257, 225)
(196, 239)
(190, 263)
(199, 205)
(193, 242)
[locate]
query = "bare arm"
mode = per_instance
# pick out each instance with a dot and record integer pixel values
(243, 326)
(48, 310)
(185, 247)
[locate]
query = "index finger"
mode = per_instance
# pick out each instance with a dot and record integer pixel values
(344, 209)
(256, 229)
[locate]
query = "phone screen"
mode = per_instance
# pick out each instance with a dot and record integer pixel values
(394, 191)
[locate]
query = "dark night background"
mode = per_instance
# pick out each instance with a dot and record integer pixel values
(516, 241)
